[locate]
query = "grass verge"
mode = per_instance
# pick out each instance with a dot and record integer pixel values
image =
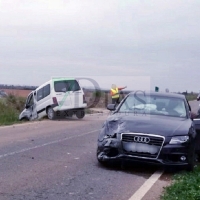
(10, 108)
(191, 97)
(185, 186)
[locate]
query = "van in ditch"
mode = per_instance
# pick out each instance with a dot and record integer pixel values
(57, 97)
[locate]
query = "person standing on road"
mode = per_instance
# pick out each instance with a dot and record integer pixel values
(114, 92)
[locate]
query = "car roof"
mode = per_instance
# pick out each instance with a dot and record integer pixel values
(164, 94)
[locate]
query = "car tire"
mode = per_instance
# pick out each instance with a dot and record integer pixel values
(50, 113)
(80, 114)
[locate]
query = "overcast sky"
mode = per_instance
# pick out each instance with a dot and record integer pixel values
(144, 43)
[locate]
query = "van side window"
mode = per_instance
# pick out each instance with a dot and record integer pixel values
(43, 92)
(40, 94)
(68, 85)
(46, 90)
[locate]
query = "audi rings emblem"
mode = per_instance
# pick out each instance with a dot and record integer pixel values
(142, 139)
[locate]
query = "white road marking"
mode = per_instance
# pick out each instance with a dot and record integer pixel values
(140, 193)
(46, 144)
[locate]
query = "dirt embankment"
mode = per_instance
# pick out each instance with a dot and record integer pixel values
(16, 92)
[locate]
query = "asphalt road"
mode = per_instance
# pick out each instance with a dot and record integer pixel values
(56, 160)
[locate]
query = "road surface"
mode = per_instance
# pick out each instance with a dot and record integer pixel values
(56, 160)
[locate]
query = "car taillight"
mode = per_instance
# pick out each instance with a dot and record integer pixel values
(55, 100)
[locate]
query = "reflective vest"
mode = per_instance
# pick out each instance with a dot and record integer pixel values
(115, 93)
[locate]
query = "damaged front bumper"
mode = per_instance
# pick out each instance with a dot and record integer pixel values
(113, 149)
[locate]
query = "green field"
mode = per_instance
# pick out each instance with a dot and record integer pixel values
(10, 108)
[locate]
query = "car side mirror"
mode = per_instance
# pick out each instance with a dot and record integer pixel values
(111, 107)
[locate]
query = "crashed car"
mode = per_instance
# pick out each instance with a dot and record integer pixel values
(149, 127)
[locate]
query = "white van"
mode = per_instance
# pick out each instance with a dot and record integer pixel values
(57, 97)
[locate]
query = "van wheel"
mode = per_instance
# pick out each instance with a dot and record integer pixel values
(80, 114)
(50, 113)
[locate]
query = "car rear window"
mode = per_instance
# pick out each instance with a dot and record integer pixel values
(66, 85)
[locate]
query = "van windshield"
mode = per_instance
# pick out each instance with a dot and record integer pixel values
(66, 85)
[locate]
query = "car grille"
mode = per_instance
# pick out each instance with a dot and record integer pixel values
(143, 148)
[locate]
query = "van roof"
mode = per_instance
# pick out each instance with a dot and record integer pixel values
(55, 79)
(61, 78)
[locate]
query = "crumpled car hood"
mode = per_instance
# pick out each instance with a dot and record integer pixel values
(151, 124)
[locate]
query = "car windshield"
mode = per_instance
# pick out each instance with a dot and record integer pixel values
(155, 105)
